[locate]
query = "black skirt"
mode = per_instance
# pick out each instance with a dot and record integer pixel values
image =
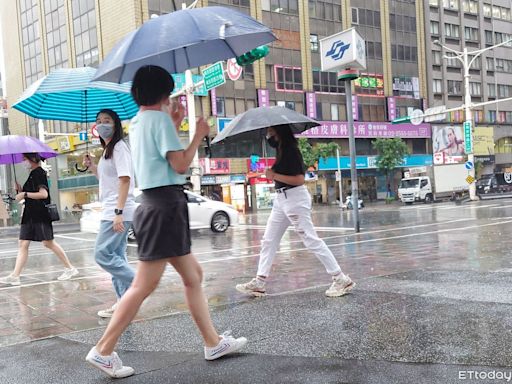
(161, 224)
(36, 231)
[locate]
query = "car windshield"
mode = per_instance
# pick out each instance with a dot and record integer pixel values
(483, 182)
(409, 183)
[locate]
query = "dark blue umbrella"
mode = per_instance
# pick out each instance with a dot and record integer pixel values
(182, 40)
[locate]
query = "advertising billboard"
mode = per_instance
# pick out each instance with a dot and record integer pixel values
(448, 145)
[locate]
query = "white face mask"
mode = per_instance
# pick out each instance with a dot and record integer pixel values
(26, 164)
(106, 131)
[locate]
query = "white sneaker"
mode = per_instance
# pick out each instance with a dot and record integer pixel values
(13, 280)
(106, 313)
(111, 365)
(340, 286)
(255, 287)
(68, 274)
(227, 344)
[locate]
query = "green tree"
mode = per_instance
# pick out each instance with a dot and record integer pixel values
(390, 155)
(307, 152)
(311, 154)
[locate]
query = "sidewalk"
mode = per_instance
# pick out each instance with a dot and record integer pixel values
(58, 227)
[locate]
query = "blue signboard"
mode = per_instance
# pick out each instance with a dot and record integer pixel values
(179, 82)
(222, 122)
(208, 180)
(238, 178)
(370, 162)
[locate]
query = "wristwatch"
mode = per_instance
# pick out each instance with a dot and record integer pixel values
(25, 195)
(118, 211)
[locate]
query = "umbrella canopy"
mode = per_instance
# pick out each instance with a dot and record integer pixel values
(264, 117)
(12, 148)
(182, 40)
(69, 94)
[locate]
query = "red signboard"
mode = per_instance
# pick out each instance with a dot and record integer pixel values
(215, 166)
(260, 164)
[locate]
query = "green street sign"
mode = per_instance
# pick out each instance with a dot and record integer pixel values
(179, 83)
(400, 120)
(468, 137)
(214, 76)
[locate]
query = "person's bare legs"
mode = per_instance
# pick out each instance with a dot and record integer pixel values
(22, 257)
(192, 276)
(146, 280)
(53, 246)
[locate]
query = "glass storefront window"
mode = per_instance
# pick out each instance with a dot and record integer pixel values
(66, 162)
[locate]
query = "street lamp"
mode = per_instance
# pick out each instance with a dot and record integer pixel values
(463, 57)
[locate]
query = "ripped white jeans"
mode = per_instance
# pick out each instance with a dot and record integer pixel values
(293, 206)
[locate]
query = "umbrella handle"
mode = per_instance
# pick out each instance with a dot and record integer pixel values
(81, 170)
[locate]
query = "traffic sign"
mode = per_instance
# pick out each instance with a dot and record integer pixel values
(469, 165)
(82, 136)
(436, 114)
(468, 137)
(95, 141)
(179, 83)
(416, 117)
(234, 70)
(470, 179)
(94, 131)
(214, 76)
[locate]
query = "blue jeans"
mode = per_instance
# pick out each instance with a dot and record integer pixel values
(110, 254)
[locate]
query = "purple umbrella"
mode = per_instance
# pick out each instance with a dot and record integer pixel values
(12, 148)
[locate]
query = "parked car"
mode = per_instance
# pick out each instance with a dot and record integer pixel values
(203, 213)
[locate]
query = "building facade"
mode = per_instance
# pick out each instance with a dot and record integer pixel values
(474, 25)
(49, 34)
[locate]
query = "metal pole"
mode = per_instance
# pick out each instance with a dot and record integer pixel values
(339, 174)
(469, 119)
(352, 145)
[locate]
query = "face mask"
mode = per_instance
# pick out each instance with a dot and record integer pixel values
(106, 131)
(272, 142)
(27, 164)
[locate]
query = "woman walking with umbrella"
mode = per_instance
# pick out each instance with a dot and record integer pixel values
(35, 223)
(291, 206)
(161, 221)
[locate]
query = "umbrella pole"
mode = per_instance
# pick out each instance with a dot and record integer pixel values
(14, 170)
(86, 136)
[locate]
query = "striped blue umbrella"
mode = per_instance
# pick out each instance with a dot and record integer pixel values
(69, 94)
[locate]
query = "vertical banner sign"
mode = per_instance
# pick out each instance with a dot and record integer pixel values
(183, 101)
(311, 104)
(391, 108)
(355, 108)
(468, 143)
(263, 98)
(213, 100)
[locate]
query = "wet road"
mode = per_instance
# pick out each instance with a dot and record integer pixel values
(434, 288)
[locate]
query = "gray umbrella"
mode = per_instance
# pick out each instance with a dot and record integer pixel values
(264, 117)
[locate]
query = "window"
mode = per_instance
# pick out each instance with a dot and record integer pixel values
(503, 65)
(327, 82)
(433, 3)
(471, 33)
(313, 39)
(221, 110)
(404, 53)
(451, 30)
(248, 72)
(335, 112)
(492, 116)
(437, 86)
(281, 6)
(491, 88)
(355, 16)
(488, 38)
(489, 64)
(487, 10)
(475, 89)
(451, 4)
(434, 28)
(85, 34)
(477, 64)
(436, 58)
(504, 91)
(454, 87)
(319, 111)
(368, 17)
(287, 104)
(288, 78)
(373, 50)
(453, 63)
(470, 6)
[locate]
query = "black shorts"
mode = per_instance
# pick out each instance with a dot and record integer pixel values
(36, 231)
(161, 224)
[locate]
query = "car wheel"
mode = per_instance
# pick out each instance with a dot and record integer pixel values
(220, 222)
(428, 199)
(131, 234)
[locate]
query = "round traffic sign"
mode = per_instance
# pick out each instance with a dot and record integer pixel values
(94, 131)
(468, 165)
(416, 117)
(234, 70)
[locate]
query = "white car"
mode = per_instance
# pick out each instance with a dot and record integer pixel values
(203, 213)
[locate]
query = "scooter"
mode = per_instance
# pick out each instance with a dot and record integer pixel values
(348, 203)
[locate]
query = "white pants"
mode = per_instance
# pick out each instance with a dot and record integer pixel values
(293, 206)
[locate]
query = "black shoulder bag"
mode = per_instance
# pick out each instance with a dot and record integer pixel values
(53, 212)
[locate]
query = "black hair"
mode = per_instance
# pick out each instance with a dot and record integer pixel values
(151, 84)
(33, 157)
(286, 139)
(118, 133)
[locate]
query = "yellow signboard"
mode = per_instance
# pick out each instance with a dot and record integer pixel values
(470, 179)
(483, 141)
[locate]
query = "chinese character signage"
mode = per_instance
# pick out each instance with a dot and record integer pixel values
(336, 129)
(369, 84)
(213, 100)
(391, 108)
(215, 166)
(311, 104)
(355, 108)
(263, 98)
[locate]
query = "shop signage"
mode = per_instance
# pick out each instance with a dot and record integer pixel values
(214, 76)
(263, 98)
(370, 162)
(179, 83)
(260, 164)
(215, 166)
(223, 179)
(222, 122)
(208, 180)
(238, 178)
(311, 104)
(335, 129)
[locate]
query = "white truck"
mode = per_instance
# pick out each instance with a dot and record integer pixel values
(447, 181)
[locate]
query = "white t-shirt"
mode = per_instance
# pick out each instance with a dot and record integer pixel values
(109, 172)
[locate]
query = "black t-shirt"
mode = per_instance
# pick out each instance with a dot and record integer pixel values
(289, 162)
(35, 210)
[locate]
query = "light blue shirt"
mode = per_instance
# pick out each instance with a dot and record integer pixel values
(152, 135)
